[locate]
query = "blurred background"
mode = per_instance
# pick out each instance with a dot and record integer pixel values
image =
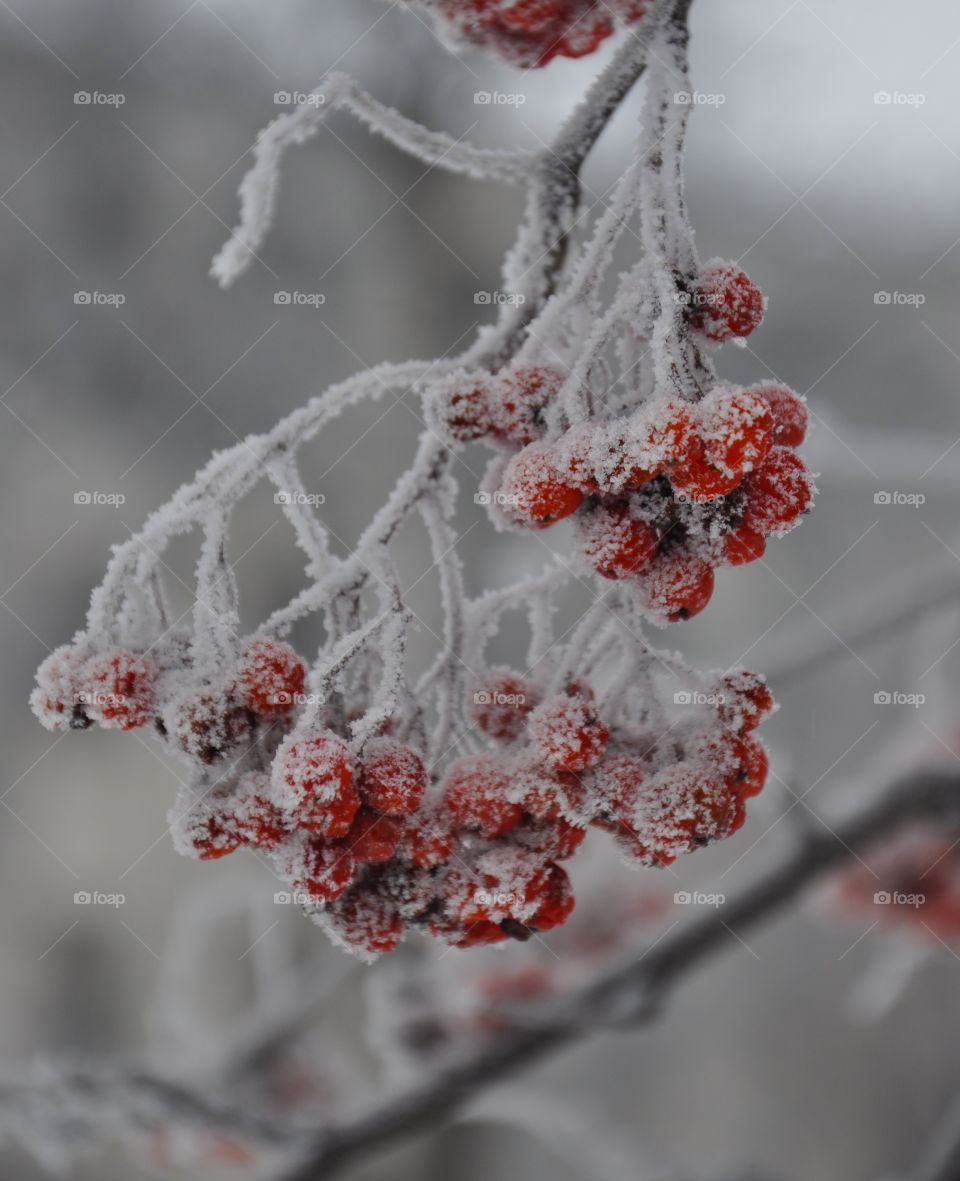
(827, 161)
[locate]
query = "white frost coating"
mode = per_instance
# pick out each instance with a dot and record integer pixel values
(258, 189)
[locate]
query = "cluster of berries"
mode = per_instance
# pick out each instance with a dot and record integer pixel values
(530, 33)
(368, 847)
(660, 496)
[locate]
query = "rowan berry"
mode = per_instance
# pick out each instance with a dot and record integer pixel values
(313, 783)
(615, 541)
(462, 402)
(754, 765)
(258, 819)
(554, 898)
(743, 544)
(534, 492)
(790, 416)
(208, 726)
(518, 401)
(677, 585)
(322, 869)
(726, 303)
(269, 677)
(426, 842)
(391, 777)
(373, 836)
(364, 922)
(476, 795)
(777, 492)
(736, 427)
(744, 700)
(567, 733)
(699, 480)
(118, 689)
(500, 702)
(211, 835)
(56, 699)
(555, 839)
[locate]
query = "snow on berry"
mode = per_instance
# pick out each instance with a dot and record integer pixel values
(364, 921)
(676, 586)
(426, 840)
(726, 305)
(269, 677)
(257, 818)
(745, 700)
(778, 492)
(790, 416)
(518, 399)
(742, 544)
(118, 689)
(391, 776)
(500, 701)
(55, 699)
(373, 836)
(683, 808)
(319, 868)
(459, 403)
(533, 491)
(615, 541)
(476, 795)
(312, 781)
(736, 427)
(567, 733)
(207, 725)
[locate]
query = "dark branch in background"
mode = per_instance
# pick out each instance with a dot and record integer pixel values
(630, 994)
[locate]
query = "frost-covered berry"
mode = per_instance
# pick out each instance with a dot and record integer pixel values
(533, 490)
(736, 427)
(461, 403)
(698, 479)
(615, 541)
(567, 733)
(726, 304)
(743, 544)
(365, 922)
(778, 492)
(744, 700)
(391, 777)
(312, 782)
(753, 766)
(56, 698)
(208, 726)
(257, 818)
(518, 401)
(118, 689)
(210, 835)
(554, 899)
(426, 841)
(269, 677)
(789, 412)
(554, 839)
(373, 836)
(683, 808)
(476, 795)
(677, 586)
(500, 702)
(616, 781)
(322, 869)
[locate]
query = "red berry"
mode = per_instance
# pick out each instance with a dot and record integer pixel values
(118, 689)
(574, 456)
(567, 734)
(500, 703)
(372, 836)
(726, 304)
(736, 427)
(365, 922)
(696, 478)
(685, 807)
(742, 545)
(269, 677)
(554, 839)
(463, 403)
(392, 777)
(615, 541)
(519, 398)
(425, 842)
(312, 782)
(555, 900)
(677, 586)
(209, 726)
(616, 781)
(666, 432)
(324, 869)
(534, 492)
(789, 411)
(752, 772)
(57, 698)
(777, 492)
(258, 819)
(213, 835)
(476, 795)
(746, 700)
